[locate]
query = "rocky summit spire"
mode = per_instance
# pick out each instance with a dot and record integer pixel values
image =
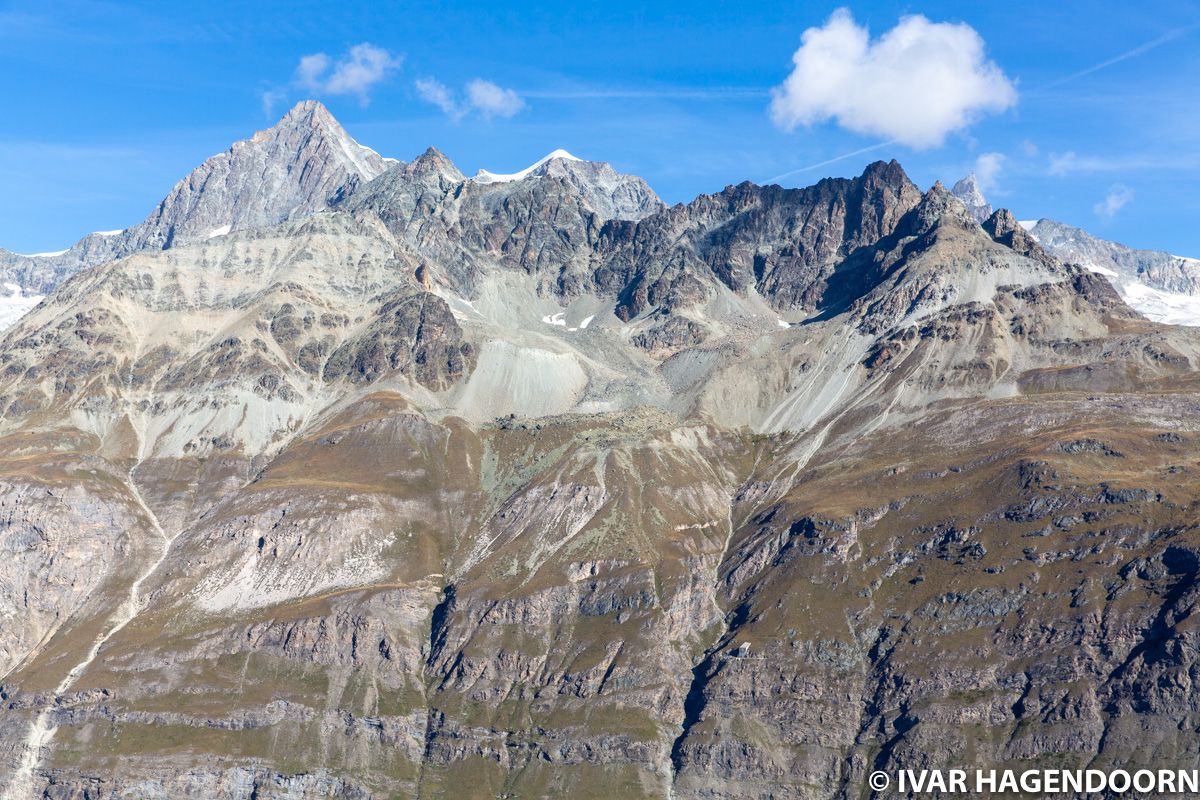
(299, 166)
(967, 190)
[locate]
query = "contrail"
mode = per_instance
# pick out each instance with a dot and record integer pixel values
(1146, 47)
(833, 160)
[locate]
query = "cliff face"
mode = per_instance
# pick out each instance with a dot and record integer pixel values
(531, 486)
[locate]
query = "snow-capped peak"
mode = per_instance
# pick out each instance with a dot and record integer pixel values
(483, 176)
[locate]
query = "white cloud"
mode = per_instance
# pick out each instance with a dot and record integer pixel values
(483, 97)
(492, 100)
(987, 170)
(310, 69)
(1117, 198)
(915, 84)
(356, 72)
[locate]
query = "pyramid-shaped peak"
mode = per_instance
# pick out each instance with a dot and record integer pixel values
(967, 190)
(308, 108)
(435, 162)
(307, 115)
(309, 132)
(969, 183)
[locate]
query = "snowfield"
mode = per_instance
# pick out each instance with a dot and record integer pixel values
(14, 303)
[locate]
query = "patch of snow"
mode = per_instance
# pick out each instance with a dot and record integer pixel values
(559, 319)
(221, 231)
(1160, 306)
(1105, 271)
(43, 255)
(1027, 224)
(483, 176)
(117, 232)
(355, 153)
(783, 323)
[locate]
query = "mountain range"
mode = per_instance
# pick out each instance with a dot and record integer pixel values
(341, 476)
(1161, 286)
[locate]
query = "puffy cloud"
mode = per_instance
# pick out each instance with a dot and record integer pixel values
(916, 84)
(987, 170)
(483, 97)
(356, 72)
(1117, 198)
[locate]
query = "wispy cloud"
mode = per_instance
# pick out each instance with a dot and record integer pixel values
(1119, 195)
(439, 94)
(271, 98)
(1070, 163)
(915, 84)
(1145, 47)
(480, 96)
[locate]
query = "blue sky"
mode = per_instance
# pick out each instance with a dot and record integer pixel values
(106, 105)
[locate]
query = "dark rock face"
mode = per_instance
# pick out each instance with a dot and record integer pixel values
(676, 333)
(1004, 228)
(785, 243)
(415, 335)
